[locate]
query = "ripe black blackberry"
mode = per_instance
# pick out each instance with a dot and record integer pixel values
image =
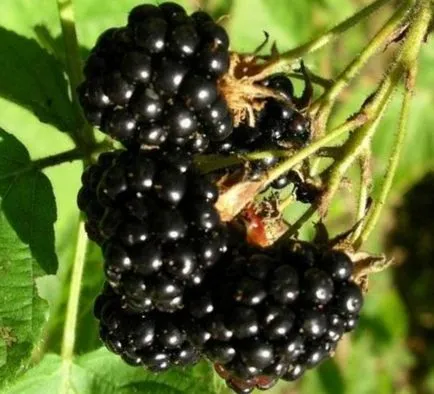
(266, 314)
(154, 216)
(280, 120)
(87, 199)
(155, 340)
(277, 124)
(155, 80)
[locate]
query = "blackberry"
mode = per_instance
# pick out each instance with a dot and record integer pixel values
(281, 84)
(155, 340)
(266, 314)
(282, 124)
(280, 120)
(154, 81)
(154, 216)
(278, 123)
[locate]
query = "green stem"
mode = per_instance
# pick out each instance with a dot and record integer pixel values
(322, 107)
(373, 108)
(364, 188)
(45, 162)
(373, 217)
(83, 136)
(359, 141)
(326, 38)
(408, 60)
(314, 78)
(389, 31)
(69, 333)
(312, 148)
(301, 221)
(210, 163)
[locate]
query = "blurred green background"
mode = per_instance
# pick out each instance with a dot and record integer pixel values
(392, 350)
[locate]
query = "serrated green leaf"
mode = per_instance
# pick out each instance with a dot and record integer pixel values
(22, 311)
(101, 372)
(27, 201)
(35, 80)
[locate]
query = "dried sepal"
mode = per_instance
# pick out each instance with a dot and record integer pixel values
(232, 201)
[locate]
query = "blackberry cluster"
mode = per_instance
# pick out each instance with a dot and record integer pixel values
(154, 81)
(179, 284)
(154, 340)
(266, 314)
(279, 123)
(154, 216)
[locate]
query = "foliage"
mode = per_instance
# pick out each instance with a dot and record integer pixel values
(39, 222)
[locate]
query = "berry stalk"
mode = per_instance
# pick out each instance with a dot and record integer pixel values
(365, 188)
(212, 162)
(358, 142)
(407, 60)
(301, 221)
(83, 136)
(45, 162)
(283, 168)
(323, 40)
(392, 29)
(69, 333)
(373, 108)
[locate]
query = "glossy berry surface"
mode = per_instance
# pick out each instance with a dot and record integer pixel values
(278, 124)
(154, 216)
(273, 313)
(155, 340)
(153, 82)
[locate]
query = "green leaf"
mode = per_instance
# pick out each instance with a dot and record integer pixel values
(101, 372)
(22, 311)
(27, 201)
(35, 80)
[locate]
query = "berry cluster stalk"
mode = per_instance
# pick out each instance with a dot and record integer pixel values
(364, 124)
(85, 141)
(69, 333)
(83, 136)
(365, 188)
(407, 65)
(323, 40)
(45, 162)
(392, 29)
